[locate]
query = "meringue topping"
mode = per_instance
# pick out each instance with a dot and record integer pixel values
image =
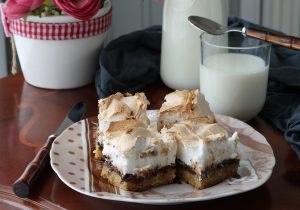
(202, 145)
(200, 131)
(184, 105)
(186, 101)
(181, 101)
(119, 107)
(131, 146)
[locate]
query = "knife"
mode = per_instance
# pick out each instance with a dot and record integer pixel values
(23, 185)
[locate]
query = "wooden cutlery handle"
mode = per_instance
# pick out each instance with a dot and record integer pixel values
(23, 185)
(276, 38)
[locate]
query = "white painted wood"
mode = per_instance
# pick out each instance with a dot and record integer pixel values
(156, 13)
(250, 10)
(267, 13)
(234, 8)
(127, 16)
(3, 55)
(286, 20)
(277, 13)
(282, 15)
(295, 19)
(146, 13)
(132, 15)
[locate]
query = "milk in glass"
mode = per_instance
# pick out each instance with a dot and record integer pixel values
(234, 84)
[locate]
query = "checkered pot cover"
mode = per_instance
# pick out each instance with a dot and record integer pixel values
(60, 31)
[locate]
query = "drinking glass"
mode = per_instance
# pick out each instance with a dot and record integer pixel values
(234, 74)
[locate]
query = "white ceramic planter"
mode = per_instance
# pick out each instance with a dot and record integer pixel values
(60, 64)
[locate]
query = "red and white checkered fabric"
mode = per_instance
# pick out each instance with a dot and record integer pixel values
(60, 31)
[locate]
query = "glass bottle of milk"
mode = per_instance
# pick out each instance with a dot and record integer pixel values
(180, 54)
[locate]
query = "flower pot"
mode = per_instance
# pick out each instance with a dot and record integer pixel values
(60, 52)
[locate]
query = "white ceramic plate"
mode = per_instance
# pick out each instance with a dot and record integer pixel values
(70, 160)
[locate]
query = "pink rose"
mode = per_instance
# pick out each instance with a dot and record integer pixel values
(20, 8)
(79, 9)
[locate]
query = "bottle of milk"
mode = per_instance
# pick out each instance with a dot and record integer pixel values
(180, 54)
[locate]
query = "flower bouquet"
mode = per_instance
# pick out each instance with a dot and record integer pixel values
(58, 41)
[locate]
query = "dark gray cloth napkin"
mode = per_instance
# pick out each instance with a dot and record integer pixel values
(282, 107)
(131, 62)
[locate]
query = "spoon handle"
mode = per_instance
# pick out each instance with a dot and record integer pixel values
(276, 38)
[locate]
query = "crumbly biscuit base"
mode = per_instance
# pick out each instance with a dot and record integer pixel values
(212, 177)
(96, 167)
(162, 177)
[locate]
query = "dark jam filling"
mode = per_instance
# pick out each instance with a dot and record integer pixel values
(209, 169)
(138, 178)
(100, 145)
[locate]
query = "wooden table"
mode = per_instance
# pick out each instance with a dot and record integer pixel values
(28, 115)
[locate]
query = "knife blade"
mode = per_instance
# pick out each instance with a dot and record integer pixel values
(23, 185)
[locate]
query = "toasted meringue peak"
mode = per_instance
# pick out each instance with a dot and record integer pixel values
(125, 135)
(192, 132)
(129, 126)
(121, 107)
(186, 101)
(184, 105)
(183, 100)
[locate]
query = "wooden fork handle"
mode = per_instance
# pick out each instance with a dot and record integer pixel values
(22, 186)
(276, 38)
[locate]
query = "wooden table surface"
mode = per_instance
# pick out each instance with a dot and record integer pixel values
(28, 115)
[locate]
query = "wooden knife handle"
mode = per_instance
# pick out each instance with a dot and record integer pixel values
(23, 185)
(276, 38)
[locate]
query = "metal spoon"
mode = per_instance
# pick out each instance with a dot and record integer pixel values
(215, 28)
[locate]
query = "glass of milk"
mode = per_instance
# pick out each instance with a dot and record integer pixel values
(234, 74)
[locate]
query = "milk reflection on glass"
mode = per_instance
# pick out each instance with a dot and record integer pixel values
(234, 78)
